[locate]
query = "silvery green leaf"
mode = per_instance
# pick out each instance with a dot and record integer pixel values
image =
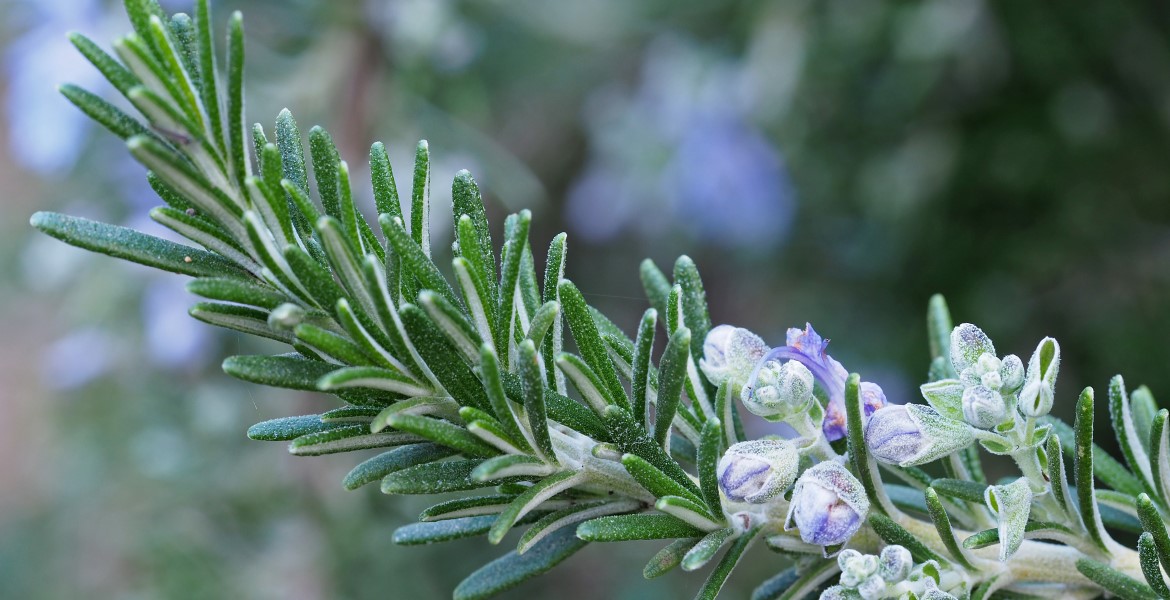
(689, 510)
(241, 167)
(442, 432)
(1128, 437)
(347, 438)
(671, 377)
(542, 321)
(592, 389)
(569, 517)
(490, 375)
(509, 293)
(702, 553)
(437, 352)
(513, 568)
(437, 478)
(893, 533)
(510, 465)
(942, 524)
(641, 368)
(288, 428)
(334, 345)
(589, 341)
(656, 285)
(532, 385)
(968, 343)
(722, 570)
(1114, 581)
(654, 480)
(127, 244)
(632, 439)
(624, 528)
(467, 507)
(1144, 408)
(420, 199)
(1148, 556)
(694, 302)
(414, 260)
(1083, 458)
(554, 344)
(351, 414)
(946, 396)
(107, 115)
(205, 233)
(397, 459)
(532, 497)
(453, 323)
(1160, 455)
(1011, 505)
(239, 318)
(668, 558)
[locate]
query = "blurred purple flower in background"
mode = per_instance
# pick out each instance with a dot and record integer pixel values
(46, 131)
(681, 145)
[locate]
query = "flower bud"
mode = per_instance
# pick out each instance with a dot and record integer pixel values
(781, 390)
(983, 407)
(730, 352)
(913, 434)
(757, 471)
(894, 563)
(856, 567)
(1011, 374)
(968, 344)
(828, 505)
(1040, 383)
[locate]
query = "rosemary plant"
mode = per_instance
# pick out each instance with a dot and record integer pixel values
(469, 384)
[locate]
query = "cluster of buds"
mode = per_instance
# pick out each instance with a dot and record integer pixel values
(892, 574)
(985, 393)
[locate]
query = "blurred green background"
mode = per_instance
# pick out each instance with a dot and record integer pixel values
(834, 162)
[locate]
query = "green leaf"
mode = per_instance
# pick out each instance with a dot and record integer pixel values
(939, 326)
(442, 432)
(442, 359)
(589, 340)
(238, 318)
(475, 238)
(942, 524)
(1115, 581)
(347, 438)
(655, 481)
(489, 374)
(351, 414)
(702, 553)
(1148, 555)
(332, 344)
(531, 498)
(722, 570)
(672, 372)
(386, 199)
(1144, 408)
(513, 568)
(420, 199)
(1033, 530)
(1152, 523)
(632, 439)
(1128, 437)
(694, 302)
(240, 291)
(893, 533)
(288, 428)
(863, 465)
(442, 531)
(414, 261)
(542, 321)
(1105, 467)
(437, 478)
(957, 488)
(122, 79)
(689, 510)
(287, 371)
(127, 244)
(1159, 444)
(592, 389)
(709, 451)
(467, 507)
(235, 98)
(1059, 479)
(511, 465)
(397, 459)
(787, 579)
(669, 557)
(624, 528)
(1083, 470)
(516, 241)
(656, 285)
(640, 366)
(481, 306)
(453, 323)
(571, 516)
(490, 431)
(532, 383)
(107, 115)
(554, 344)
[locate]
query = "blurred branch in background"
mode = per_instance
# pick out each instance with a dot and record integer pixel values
(1011, 155)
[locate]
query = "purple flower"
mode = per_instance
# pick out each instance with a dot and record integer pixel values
(807, 347)
(828, 505)
(914, 434)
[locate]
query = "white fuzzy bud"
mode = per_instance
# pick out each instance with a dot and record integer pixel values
(781, 390)
(757, 471)
(730, 352)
